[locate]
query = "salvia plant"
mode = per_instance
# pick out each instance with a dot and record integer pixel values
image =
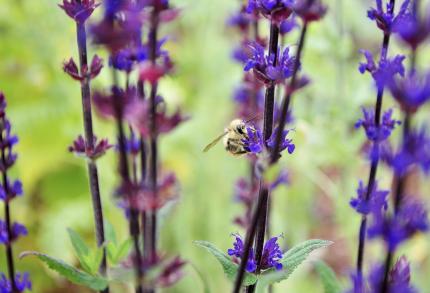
(10, 189)
(130, 36)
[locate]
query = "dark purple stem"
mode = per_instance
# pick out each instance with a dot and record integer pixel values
(287, 100)
(259, 225)
(375, 161)
(89, 141)
(125, 176)
(8, 245)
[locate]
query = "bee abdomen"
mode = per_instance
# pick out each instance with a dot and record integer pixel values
(235, 147)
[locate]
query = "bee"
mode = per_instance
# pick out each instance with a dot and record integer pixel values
(233, 137)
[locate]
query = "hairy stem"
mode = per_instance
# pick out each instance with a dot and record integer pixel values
(89, 144)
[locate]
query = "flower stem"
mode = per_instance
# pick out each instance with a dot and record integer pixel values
(287, 100)
(89, 141)
(126, 182)
(8, 244)
(375, 161)
(258, 225)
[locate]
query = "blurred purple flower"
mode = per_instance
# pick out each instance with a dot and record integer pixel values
(410, 219)
(310, 10)
(376, 201)
(22, 282)
(80, 149)
(240, 20)
(17, 230)
(373, 132)
(412, 29)
(276, 10)
(384, 18)
(171, 272)
(80, 11)
(14, 190)
(288, 25)
(383, 72)
(72, 70)
(412, 91)
(286, 143)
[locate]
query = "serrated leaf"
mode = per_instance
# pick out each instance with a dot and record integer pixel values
(230, 268)
(328, 277)
(69, 272)
(291, 260)
(123, 250)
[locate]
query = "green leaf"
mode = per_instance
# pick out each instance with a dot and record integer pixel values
(291, 260)
(328, 277)
(78, 243)
(96, 260)
(82, 251)
(230, 268)
(69, 272)
(123, 250)
(110, 233)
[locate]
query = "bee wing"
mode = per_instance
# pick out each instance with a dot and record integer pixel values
(256, 117)
(214, 142)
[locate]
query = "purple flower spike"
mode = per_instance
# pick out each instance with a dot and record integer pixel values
(411, 92)
(14, 190)
(377, 200)
(383, 72)
(80, 11)
(288, 25)
(385, 18)
(373, 132)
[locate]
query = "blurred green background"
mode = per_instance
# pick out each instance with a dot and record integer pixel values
(44, 106)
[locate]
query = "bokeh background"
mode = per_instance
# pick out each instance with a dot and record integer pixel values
(45, 108)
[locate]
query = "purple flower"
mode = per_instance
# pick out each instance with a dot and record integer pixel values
(410, 219)
(241, 20)
(386, 18)
(237, 252)
(17, 230)
(373, 132)
(385, 70)
(288, 25)
(72, 70)
(310, 10)
(22, 282)
(286, 143)
(254, 143)
(14, 190)
(80, 11)
(276, 10)
(124, 59)
(412, 91)
(80, 148)
(414, 151)
(264, 67)
(375, 202)
(272, 254)
(412, 29)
